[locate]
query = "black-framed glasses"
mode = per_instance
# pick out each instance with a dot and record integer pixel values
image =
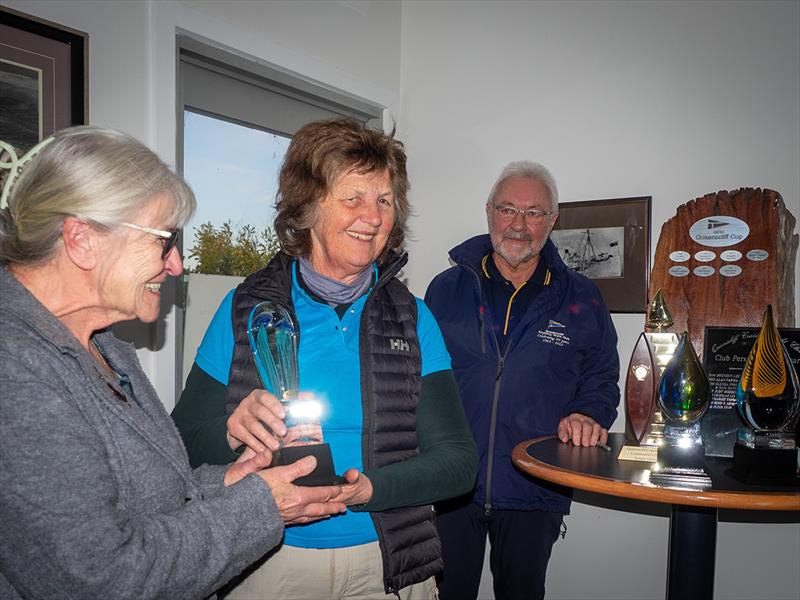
(533, 215)
(169, 239)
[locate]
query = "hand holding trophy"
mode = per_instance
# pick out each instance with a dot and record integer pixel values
(273, 340)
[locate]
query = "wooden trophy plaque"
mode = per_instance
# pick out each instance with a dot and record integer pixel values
(723, 258)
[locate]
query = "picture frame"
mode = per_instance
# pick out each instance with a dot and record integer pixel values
(43, 78)
(609, 242)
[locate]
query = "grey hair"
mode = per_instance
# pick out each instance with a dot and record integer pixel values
(101, 176)
(531, 170)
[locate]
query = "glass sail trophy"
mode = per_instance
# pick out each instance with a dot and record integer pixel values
(273, 340)
(683, 396)
(767, 399)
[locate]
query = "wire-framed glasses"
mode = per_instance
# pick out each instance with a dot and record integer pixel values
(532, 215)
(169, 239)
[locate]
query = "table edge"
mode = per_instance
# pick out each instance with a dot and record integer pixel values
(775, 501)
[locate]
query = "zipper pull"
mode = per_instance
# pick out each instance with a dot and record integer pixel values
(500, 366)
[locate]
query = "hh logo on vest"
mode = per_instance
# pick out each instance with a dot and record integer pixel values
(399, 344)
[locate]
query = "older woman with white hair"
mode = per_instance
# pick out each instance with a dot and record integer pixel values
(96, 493)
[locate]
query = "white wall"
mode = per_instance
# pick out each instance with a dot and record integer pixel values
(669, 99)
(665, 99)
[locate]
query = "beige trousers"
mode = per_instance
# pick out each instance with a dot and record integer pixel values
(354, 573)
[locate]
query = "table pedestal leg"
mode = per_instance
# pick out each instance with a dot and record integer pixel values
(692, 550)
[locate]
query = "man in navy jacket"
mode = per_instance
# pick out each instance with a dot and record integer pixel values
(534, 353)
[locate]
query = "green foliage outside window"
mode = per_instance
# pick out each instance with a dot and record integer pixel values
(220, 251)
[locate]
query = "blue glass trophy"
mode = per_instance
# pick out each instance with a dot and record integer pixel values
(273, 340)
(683, 396)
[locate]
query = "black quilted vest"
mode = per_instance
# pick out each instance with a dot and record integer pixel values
(390, 388)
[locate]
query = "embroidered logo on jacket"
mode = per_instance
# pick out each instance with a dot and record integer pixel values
(556, 338)
(399, 344)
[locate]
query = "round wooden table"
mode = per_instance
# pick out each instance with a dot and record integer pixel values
(693, 519)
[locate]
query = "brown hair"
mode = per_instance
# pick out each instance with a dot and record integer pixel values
(318, 155)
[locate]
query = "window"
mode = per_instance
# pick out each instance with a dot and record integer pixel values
(234, 172)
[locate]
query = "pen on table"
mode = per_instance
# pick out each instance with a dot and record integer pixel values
(603, 446)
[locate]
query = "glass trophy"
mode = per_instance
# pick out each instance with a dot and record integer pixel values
(644, 422)
(273, 340)
(767, 399)
(683, 396)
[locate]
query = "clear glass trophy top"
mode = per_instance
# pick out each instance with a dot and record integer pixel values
(273, 340)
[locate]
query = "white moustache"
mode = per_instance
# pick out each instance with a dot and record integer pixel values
(518, 236)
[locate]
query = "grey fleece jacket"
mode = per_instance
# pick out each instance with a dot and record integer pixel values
(97, 499)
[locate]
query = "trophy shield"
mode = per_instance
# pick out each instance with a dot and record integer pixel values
(273, 341)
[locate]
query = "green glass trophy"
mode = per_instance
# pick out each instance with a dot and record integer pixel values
(683, 396)
(273, 340)
(767, 399)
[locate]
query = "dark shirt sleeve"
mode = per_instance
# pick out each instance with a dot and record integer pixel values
(447, 464)
(201, 420)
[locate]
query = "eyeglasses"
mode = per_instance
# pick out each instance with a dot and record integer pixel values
(169, 238)
(509, 213)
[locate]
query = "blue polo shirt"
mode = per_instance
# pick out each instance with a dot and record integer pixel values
(330, 368)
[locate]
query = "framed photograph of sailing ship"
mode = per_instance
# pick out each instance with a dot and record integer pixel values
(43, 84)
(609, 242)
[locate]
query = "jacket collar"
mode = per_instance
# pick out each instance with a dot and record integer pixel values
(158, 430)
(390, 267)
(20, 303)
(23, 305)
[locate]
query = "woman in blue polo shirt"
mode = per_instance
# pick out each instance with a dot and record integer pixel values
(369, 348)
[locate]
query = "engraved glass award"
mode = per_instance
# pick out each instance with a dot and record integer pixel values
(767, 399)
(683, 396)
(273, 340)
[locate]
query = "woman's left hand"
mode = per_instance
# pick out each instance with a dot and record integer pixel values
(249, 462)
(357, 490)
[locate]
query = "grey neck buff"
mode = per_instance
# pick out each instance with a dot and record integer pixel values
(332, 291)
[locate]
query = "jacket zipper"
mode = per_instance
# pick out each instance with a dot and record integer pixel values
(487, 506)
(481, 310)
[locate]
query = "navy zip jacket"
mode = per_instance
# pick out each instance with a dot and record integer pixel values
(560, 358)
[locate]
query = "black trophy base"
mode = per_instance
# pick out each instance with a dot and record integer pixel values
(681, 468)
(764, 466)
(322, 475)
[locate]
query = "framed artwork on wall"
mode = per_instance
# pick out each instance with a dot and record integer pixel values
(43, 78)
(609, 242)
